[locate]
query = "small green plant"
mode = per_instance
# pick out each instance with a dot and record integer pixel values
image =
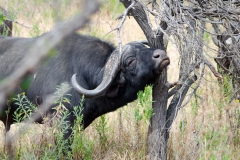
(102, 129)
(182, 126)
(142, 112)
(61, 97)
(61, 125)
(145, 103)
(194, 106)
(207, 37)
(2, 19)
(81, 146)
(35, 30)
(25, 109)
(5, 28)
(226, 87)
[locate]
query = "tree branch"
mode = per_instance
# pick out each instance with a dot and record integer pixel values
(123, 17)
(140, 16)
(177, 101)
(39, 50)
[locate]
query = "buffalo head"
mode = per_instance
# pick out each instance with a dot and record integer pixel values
(136, 62)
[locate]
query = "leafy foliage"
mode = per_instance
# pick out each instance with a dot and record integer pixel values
(25, 109)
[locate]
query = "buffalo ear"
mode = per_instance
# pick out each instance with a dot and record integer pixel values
(112, 91)
(118, 82)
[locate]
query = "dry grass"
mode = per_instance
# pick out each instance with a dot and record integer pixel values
(204, 129)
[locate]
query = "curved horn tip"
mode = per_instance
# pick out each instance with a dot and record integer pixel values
(97, 92)
(144, 42)
(74, 75)
(74, 78)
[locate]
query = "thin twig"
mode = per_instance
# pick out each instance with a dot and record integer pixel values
(230, 101)
(119, 27)
(21, 24)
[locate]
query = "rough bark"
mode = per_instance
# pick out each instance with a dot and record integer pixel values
(157, 142)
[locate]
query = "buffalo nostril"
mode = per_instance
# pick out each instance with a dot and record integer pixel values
(158, 54)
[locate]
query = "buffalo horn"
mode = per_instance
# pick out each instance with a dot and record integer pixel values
(111, 69)
(144, 42)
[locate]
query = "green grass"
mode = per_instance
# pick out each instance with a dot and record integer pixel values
(207, 128)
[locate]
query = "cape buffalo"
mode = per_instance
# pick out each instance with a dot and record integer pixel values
(6, 25)
(81, 61)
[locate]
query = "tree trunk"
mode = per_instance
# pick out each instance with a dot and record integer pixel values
(156, 142)
(157, 139)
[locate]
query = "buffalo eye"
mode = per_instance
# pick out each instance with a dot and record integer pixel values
(131, 61)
